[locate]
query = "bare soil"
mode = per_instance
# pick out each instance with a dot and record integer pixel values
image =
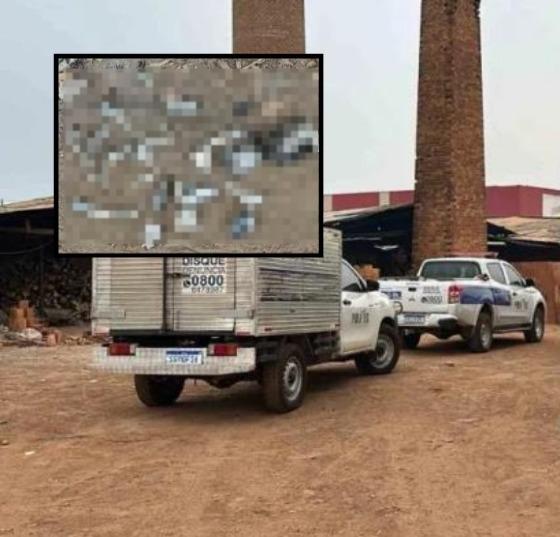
(451, 444)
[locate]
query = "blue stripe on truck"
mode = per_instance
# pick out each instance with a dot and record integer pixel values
(486, 295)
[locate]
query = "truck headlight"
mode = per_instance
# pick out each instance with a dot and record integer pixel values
(397, 306)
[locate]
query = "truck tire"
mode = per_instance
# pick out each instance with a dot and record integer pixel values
(536, 332)
(385, 358)
(482, 334)
(284, 380)
(158, 390)
(410, 341)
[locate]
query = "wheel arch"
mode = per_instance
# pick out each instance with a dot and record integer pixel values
(304, 343)
(391, 321)
(540, 304)
(487, 307)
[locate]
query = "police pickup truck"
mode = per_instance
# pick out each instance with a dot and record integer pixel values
(472, 297)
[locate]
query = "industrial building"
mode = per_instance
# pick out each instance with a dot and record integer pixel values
(382, 235)
(501, 201)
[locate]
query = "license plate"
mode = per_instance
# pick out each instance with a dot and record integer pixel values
(414, 318)
(184, 356)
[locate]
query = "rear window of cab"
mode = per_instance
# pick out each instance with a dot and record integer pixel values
(449, 270)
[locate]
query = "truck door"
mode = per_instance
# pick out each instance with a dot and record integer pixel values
(200, 294)
(503, 305)
(128, 293)
(522, 299)
(359, 318)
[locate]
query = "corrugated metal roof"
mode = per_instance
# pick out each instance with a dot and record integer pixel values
(516, 228)
(335, 216)
(28, 205)
(531, 229)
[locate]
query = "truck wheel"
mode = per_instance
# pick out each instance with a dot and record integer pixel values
(536, 332)
(410, 341)
(284, 380)
(482, 334)
(386, 356)
(158, 390)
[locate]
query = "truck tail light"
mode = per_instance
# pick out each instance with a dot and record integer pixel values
(454, 295)
(222, 349)
(122, 349)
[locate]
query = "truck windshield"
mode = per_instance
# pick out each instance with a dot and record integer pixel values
(449, 270)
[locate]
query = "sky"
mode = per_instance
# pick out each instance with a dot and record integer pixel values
(371, 69)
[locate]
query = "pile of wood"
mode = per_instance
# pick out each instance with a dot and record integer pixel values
(66, 284)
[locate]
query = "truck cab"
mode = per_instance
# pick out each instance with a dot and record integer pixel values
(362, 311)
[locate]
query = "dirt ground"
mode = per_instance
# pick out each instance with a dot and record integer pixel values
(451, 444)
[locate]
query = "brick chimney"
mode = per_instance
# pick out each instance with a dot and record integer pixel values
(449, 206)
(268, 26)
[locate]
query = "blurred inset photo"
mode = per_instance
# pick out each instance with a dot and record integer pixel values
(185, 155)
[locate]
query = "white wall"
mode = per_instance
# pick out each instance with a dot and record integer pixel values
(551, 205)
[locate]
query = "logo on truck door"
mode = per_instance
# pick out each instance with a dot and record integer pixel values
(522, 304)
(432, 299)
(361, 317)
(204, 275)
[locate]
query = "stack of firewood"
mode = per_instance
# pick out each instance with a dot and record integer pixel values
(66, 284)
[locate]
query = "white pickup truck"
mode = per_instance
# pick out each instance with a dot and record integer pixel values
(472, 297)
(237, 319)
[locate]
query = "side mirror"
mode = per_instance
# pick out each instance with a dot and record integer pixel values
(372, 285)
(529, 282)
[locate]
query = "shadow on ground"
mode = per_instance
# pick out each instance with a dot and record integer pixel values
(199, 403)
(456, 347)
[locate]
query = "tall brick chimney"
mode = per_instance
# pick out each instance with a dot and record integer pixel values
(449, 206)
(268, 26)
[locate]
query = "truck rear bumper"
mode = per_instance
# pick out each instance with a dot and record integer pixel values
(171, 361)
(430, 321)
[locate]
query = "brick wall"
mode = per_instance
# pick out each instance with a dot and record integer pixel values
(449, 214)
(547, 277)
(268, 26)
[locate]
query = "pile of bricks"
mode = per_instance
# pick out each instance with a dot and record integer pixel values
(22, 316)
(24, 325)
(368, 272)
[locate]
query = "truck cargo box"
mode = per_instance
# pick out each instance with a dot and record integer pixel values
(243, 296)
